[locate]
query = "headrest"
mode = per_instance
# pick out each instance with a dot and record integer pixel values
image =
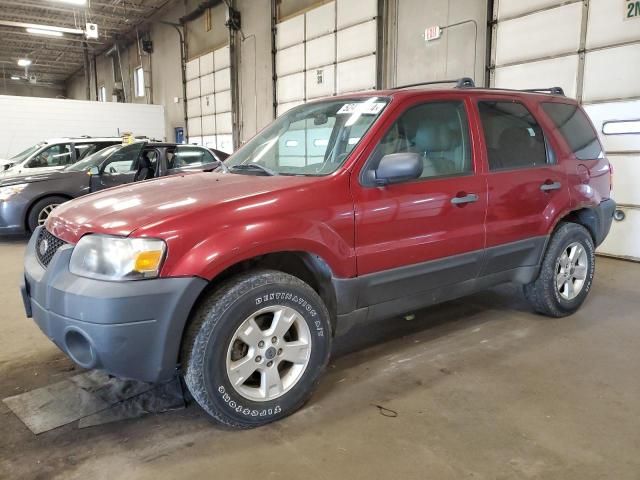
(514, 138)
(144, 161)
(433, 137)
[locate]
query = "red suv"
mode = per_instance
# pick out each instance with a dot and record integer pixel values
(342, 210)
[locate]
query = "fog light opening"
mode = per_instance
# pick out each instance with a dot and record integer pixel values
(79, 348)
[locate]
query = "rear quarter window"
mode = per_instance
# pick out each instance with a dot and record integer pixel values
(576, 129)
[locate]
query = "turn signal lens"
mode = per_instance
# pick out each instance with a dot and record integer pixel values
(148, 261)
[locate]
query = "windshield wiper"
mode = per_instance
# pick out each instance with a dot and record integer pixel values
(253, 166)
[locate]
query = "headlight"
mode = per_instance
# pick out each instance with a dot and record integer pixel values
(117, 258)
(7, 192)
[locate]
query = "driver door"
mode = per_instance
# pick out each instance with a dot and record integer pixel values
(118, 169)
(427, 233)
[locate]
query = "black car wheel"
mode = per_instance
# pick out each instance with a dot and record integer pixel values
(255, 349)
(41, 210)
(566, 274)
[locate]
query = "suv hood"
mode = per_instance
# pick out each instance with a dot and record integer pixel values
(124, 209)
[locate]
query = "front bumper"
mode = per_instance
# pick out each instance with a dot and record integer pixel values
(12, 216)
(130, 329)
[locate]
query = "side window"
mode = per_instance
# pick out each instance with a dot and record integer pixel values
(188, 156)
(85, 149)
(438, 131)
(576, 129)
(513, 137)
(124, 160)
(54, 156)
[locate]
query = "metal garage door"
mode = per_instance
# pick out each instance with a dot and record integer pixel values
(209, 100)
(325, 51)
(592, 50)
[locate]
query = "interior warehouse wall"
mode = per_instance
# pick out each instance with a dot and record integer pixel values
(459, 52)
(255, 76)
(199, 39)
(407, 57)
(166, 75)
(24, 89)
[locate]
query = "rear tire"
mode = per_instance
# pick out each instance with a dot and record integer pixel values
(40, 211)
(566, 273)
(255, 348)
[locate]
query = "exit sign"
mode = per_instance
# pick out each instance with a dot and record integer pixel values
(434, 33)
(632, 9)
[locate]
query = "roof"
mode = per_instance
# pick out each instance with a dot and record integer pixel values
(403, 92)
(82, 139)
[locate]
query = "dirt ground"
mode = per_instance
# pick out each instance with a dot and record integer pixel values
(476, 388)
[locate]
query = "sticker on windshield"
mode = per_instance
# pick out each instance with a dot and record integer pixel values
(364, 108)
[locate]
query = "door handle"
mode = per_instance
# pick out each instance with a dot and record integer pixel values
(469, 198)
(547, 187)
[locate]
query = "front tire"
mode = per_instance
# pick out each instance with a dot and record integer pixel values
(566, 274)
(41, 210)
(256, 348)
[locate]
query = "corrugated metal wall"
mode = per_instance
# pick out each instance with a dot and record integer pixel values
(327, 50)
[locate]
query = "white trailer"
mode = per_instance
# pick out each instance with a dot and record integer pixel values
(25, 121)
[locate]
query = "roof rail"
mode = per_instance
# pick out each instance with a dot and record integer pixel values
(464, 82)
(550, 90)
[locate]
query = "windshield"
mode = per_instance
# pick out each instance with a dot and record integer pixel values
(312, 139)
(25, 154)
(93, 160)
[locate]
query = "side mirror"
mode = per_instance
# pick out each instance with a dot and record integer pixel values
(94, 170)
(398, 167)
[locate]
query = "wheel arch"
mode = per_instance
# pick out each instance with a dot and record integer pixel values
(308, 267)
(588, 218)
(35, 200)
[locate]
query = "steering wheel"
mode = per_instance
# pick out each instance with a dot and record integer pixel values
(112, 169)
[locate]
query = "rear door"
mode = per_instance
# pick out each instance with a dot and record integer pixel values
(526, 181)
(415, 236)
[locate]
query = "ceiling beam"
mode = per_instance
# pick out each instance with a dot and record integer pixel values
(109, 25)
(71, 31)
(125, 7)
(38, 39)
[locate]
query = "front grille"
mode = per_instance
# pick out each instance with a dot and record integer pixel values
(45, 252)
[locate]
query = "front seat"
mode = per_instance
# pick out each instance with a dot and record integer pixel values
(433, 141)
(145, 169)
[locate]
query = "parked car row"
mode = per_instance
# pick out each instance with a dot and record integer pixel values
(29, 195)
(54, 154)
(344, 210)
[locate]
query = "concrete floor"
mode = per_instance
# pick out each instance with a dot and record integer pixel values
(482, 387)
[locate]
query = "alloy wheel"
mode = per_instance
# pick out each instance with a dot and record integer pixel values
(571, 271)
(45, 212)
(268, 353)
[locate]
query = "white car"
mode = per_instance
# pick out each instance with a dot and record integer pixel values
(54, 154)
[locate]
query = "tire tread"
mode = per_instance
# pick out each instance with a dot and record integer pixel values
(202, 325)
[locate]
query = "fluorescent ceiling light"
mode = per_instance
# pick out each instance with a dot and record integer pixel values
(15, 77)
(42, 31)
(73, 2)
(24, 62)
